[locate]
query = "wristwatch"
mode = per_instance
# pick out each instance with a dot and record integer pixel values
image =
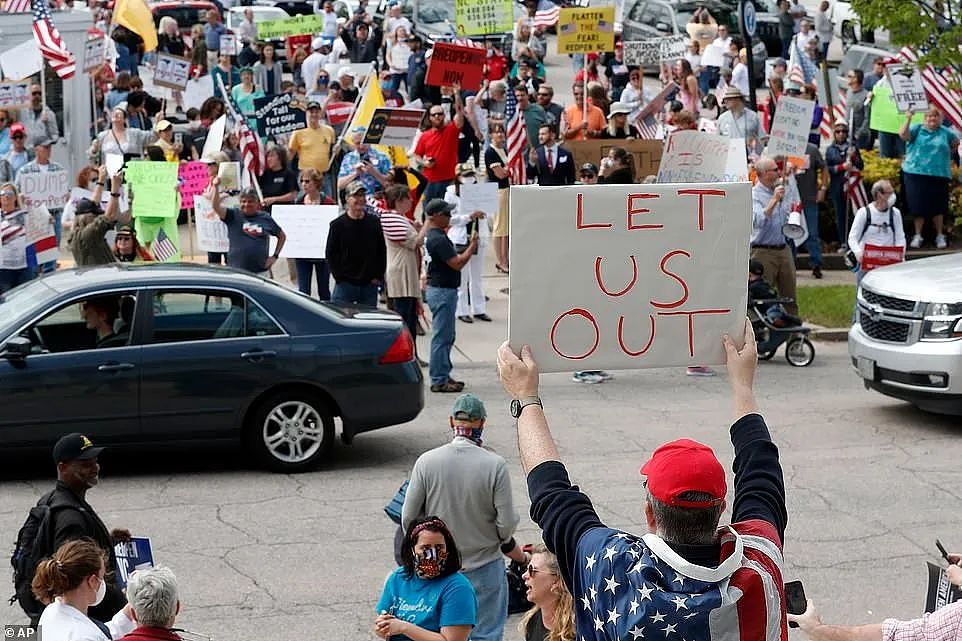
(518, 404)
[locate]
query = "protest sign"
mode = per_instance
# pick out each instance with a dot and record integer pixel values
(277, 115)
(654, 50)
(793, 120)
(452, 64)
(197, 91)
(14, 95)
(146, 75)
(215, 138)
(480, 197)
(713, 56)
(875, 256)
(21, 61)
(193, 179)
(693, 156)
(172, 72)
(95, 54)
(211, 230)
(941, 592)
(40, 234)
(294, 26)
(229, 44)
(483, 17)
(393, 126)
(673, 48)
(306, 227)
(907, 89)
(132, 555)
(154, 187)
(645, 153)
(628, 276)
(50, 189)
(229, 174)
(292, 43)
(586, 30)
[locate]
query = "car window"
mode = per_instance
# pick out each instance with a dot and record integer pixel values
(186, 17)
(206, 315)
(637, 12)
(98, 322)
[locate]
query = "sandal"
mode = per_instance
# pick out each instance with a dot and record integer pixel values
(447, 387)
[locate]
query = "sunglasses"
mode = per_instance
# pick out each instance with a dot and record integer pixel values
(306, 181)
(8, 193)
(36, 93)
(533, 571)
(437, 113)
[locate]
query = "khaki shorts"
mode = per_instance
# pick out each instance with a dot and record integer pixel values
(501, 221)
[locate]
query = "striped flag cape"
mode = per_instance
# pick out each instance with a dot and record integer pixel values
(516, 135)
(15, 6)
(252, 152)
(855, 190)
(940, 86)
(50, 43)
(547, 14)
(163, 248)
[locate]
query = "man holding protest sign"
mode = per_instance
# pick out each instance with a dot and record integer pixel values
(48, 180)
(437, 148)
(770, 211)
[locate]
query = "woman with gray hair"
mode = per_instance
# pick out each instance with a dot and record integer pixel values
(153, 597)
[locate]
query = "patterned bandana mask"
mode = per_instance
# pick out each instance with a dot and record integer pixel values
(430, 563)
(470, 433)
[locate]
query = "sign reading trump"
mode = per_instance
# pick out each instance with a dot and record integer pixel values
(628, 276)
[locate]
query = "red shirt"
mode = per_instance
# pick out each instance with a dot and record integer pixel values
(496, 67)
(442, 145)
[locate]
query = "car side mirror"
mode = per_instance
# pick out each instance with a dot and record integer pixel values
(16, 349)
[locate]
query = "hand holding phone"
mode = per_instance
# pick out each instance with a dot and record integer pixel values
(795, 601)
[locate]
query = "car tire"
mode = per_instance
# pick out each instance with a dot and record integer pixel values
(290, 431)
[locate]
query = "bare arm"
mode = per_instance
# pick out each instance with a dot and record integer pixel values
(904, 129)
(387, 626)
(101, 182)
(459, 261)
(113, 207)
(215, 199)
(811, 624)
(458, 107)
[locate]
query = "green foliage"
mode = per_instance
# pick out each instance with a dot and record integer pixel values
(827, 305)
(932, 24)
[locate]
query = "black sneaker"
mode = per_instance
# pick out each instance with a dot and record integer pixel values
(817, 272)
(483, 317)
(465, 319)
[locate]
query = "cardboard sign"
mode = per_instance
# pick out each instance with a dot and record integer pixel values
(875, 256)
(21, 61)
(306, 227)
(456, 64)
(193, 180)
(673, 48)
(135, 554)
(229, 174)
(793, 121)
(211, 230)
(483, 17)
(278, 115)
(50, 189)
(294, 26)
(654, 50)
(14, 95)
(646, 153)
(95, 54)
(907, 89)
(586, 30)
(393, 127)
(940, 592)
(229, 44)
(172, 72)
(40, 234)
(154, 187)
(480, 197)
(693, 156)
(628, 276)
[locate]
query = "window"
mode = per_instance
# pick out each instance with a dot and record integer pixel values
(207, 315)
(98, 322)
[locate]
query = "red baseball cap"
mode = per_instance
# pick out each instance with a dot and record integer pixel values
(685, 466)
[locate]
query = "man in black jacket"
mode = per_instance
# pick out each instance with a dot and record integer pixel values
(551, 163)
(73, 518)
(356, 252)
(363, 43)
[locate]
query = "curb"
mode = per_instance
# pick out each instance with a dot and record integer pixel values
(834, 334)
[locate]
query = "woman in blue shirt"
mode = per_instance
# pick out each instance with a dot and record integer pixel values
(927, 172)
(427, 598)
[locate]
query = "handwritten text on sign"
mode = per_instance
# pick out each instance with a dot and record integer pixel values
(793, 120)
(50, 189)
(628, 276)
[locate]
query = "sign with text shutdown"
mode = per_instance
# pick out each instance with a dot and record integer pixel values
(628, 276)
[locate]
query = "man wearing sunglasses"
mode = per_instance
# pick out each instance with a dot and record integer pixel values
(38, 119)
(19, 155)
(437, 148)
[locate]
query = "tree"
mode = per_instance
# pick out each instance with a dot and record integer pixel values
(932, 28)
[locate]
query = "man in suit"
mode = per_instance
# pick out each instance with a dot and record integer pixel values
(550, 162)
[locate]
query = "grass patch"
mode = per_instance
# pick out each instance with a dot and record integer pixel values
(828, 306)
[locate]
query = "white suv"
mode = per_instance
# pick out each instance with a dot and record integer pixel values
(907, 342)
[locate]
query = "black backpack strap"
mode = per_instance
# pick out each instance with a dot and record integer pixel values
(892, 222)
(868, 221)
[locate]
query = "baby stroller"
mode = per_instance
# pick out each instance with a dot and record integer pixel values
(774, 326)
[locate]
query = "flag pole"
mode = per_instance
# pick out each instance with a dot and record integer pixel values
(584, 94)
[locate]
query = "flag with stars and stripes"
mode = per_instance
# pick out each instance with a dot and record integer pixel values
(50, 43)
(941, 86)
(163, 248)
(632, 588)
(516, 140)
(546, 14)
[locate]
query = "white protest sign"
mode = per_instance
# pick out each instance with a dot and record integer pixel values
(229, 174)
(50, 189)
(907, 90)
(673, 48)
(150, 87)
(211, 230)
(197, 91)
(172, 72)
(628, 276)
(480, 197)
(229, 44)
(215, 138)
(40, 234)
(21, 61)
(642, 52)
(114, 163)
(694, 156)
(14, 95)
(95, 54)
(306, 227)
(793, 120)
(713, 56)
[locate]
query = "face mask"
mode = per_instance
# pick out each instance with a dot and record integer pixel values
(469, 180)
(891, 200)
(430, 563)
(101, 592)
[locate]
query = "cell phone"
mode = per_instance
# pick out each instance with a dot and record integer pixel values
(945, 555)
(795, 601)
(179, 138)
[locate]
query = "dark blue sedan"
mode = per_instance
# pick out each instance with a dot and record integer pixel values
(162, 353)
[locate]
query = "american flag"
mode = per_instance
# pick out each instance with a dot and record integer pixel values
(940, 87)
(15, 6)
(796, 74)
(648, 129)
(163, 247)
(627, 587)
(547, 14)
(855, 190)
(252, 153)
(838, 107)
(516, 140)
(50, 43)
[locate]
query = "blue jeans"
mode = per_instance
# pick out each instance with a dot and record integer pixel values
(435, 190)
(348, 294)
(443, 302)
(306, 268)
(814, 243)
(491, 588)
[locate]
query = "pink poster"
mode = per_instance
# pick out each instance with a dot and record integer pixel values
(193, 182)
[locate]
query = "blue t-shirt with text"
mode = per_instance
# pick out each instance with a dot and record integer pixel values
(429, 604)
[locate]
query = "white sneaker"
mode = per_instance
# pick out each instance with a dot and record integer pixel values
(700, 370)
(916, 241)
(940, 242)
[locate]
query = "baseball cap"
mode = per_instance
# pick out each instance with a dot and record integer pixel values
(343, 72)
(45, 142)
(75, 447)
(162, 125)
(354, 187)
(468, 407)
(588, 168)
(465, 169)
(125, 230)
(436, 207)
(317, 43)
(17, 128)
(313, 105)
(86, 206)
(685, 466)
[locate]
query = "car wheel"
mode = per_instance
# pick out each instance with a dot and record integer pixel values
(800, 352)
(291, 431)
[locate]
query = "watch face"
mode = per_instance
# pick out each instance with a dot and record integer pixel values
(515, 408)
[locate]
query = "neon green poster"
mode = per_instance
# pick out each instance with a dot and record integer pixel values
(483, 17)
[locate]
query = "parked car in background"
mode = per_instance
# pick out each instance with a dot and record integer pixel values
(860, 57)
(144, 354)
(907, 342)
(235, 15)
(187, 13)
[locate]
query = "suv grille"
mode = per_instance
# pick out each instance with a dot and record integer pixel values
(888, 302)
(884, 330)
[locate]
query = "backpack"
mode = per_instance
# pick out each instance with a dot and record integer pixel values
(868, 221)
(34, 542)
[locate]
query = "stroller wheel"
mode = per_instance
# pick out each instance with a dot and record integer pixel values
(800, 352)
(766, 356)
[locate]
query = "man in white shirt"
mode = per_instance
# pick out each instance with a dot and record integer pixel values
(313, 64)
(393, 21)
(723, 41)
(805, 34)
(330, 20)
(247, 30)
